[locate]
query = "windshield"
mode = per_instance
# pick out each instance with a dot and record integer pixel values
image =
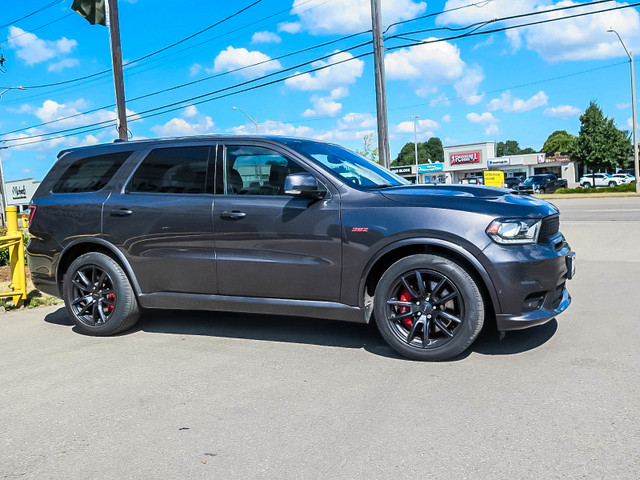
(535, 178)
(349, 166)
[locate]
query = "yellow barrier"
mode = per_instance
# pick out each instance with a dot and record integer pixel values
(15, 242)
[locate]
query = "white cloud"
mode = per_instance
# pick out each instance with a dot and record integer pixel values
(322, 106)
(421, 126)
(509, 104)
(289, 27)
(492, 129)
(33, 49)
(467, 86)
(271, 127)
(562, 111)
(195, 69)
(489, 41)
(233, 58)
(351, 15)
(482, 12)
(62, 64)
(357, 121)
(623, 106)
(446, 118)
(179, 126)
(331, 77)
(486, 117)
(265, 37)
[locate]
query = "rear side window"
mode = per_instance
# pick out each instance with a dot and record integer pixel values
(90, 174)
(172, 170)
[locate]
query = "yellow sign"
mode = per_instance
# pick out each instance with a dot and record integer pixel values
(494, 178)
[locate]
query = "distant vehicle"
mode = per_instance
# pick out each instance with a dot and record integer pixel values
(512, 182)
(625, 177)
(601, 180)
(543, 183)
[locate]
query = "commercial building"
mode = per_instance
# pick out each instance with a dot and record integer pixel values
(472, 159)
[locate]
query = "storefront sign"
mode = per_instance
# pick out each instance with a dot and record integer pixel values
(556, 158)
(464, 158)
(499, 161)
(19, 192)
(494, 178)
(401, 170)
(431, 167)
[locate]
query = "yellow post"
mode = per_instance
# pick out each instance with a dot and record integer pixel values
(16, 259)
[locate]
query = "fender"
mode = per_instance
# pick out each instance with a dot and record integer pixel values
(109, 246)
(486, 278)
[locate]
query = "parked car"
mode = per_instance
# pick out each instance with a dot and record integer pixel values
(285, 226)
(512, 182)
(542, 183)
(600, 180)
(625, 177)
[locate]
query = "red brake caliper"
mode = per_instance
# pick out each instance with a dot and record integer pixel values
(111, 297)
(406, 322)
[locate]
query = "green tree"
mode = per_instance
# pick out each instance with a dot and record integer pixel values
(559, 141)
(369, 151)
(511, 147)
(430, 151)
(600, 145)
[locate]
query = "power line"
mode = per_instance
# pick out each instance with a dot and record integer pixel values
(131, 62)
(429, 15)
(48, 5)
(41, 26)
(181, 104)
(175, 87)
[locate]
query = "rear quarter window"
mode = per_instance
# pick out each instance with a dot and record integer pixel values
(90, 174)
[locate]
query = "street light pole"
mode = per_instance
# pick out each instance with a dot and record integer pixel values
(10, 88)
(247, 115)
(633, 109)
(415, 144)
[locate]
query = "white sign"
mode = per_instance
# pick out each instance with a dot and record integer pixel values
(499, 161)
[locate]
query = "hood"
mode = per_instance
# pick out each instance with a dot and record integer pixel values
(472, 198)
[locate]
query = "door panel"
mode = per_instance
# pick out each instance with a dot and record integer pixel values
(271, 244)
(167, 237)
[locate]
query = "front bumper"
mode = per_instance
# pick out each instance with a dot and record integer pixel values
(531, 282)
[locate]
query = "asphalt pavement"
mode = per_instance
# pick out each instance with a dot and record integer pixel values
(213, 395)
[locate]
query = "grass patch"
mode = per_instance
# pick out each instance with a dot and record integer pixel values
(624, 188)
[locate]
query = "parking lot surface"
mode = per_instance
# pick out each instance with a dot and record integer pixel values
(216, 395)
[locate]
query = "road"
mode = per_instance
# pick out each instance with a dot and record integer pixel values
(203, 395)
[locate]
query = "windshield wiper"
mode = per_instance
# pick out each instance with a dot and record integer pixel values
(379, 187)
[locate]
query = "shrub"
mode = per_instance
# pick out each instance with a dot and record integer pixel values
(625, 187)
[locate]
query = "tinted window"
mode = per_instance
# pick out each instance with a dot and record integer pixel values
(248, 170)
(90, 174)
(172, 170)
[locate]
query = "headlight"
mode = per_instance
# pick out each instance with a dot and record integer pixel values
(514, 231)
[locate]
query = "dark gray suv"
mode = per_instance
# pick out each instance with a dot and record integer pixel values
(291, 227)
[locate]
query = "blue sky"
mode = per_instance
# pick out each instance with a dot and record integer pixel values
(519, 84)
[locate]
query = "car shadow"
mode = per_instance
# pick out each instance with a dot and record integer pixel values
(311, 331)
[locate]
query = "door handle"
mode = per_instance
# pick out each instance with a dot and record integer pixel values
(235, 214)
(121, 212)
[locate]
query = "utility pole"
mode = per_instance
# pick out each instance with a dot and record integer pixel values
(633, 110)
(3, 197)
(415, 144)
(116, 61)
(381, 96)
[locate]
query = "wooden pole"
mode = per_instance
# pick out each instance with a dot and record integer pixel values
(116, 61)
(381, 95)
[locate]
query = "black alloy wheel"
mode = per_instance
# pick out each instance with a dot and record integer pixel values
(93, 297)
(428, 307)
(98, 295)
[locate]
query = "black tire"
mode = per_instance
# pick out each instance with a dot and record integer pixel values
(543, 190)
(453, 320)
(586, 185)
(613, 184)
(98, 295)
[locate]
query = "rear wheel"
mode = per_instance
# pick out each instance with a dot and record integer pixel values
(585, 185)
(428, 307)
(612, 184)
(98, 295)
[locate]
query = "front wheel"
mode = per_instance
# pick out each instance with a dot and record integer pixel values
(98, 295)
(428, 307)
(543, 190)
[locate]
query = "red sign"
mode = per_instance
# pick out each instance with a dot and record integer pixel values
(462, 158)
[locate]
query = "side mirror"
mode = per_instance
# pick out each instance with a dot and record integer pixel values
(303, 185)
